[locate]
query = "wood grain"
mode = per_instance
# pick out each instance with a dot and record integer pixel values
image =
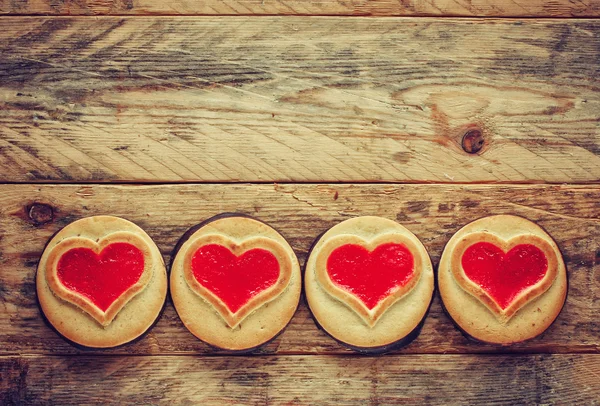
(298, 99)
(31, 214)
(480, 8)
(302, 380)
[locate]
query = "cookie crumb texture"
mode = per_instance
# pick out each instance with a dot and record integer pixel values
(502, 279)
(369, 283)
(101, 282)
(235, 282)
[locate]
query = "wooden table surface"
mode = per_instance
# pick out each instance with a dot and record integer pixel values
(302, 114)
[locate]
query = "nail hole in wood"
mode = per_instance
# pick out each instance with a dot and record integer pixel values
(473, 141)
(40, 213)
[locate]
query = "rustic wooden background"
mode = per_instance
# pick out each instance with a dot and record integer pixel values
(301, 113)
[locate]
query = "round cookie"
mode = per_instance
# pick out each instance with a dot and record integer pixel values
(101, 282)
(235, 282)
(502, 279)
(369, 283)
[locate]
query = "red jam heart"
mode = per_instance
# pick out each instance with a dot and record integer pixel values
(503, 276)
(102, 277)
(234, 279)
(371, 276)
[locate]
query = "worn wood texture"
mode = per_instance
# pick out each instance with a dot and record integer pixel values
(303, 380)
(30, 214)
(482, 8)
(298, 99)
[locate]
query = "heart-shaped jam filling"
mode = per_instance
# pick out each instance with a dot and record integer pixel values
(503, 276)
(368, 277)
(101, 277)
(371, 276)
(234, 279)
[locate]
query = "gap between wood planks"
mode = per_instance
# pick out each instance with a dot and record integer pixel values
(343, 353)
(136, 182)
(373, 16)
(420, 18)
(331, 355)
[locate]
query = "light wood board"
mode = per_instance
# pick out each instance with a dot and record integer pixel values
(481, 8)
(300, 99)
(302, 380)
(571, 214)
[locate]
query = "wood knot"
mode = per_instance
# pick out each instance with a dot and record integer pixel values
(473, 141)
(40, 213)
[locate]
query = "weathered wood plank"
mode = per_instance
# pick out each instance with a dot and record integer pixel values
(482, 8)
(407, 380)
(571, 214)
(298, 99)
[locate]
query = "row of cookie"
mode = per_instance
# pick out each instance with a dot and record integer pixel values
(236, 282)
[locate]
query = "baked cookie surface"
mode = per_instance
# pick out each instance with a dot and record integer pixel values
(101, 282)
(502, 279)
(369, 283)
(235, 282)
